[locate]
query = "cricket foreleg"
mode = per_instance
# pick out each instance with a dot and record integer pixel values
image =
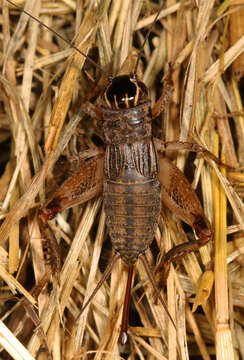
(91, 110)
(179, 196)
(164, 99)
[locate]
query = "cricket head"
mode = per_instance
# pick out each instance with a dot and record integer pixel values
(125, 92)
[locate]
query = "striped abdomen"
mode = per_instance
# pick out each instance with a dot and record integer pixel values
(131, 199)
(132, 211)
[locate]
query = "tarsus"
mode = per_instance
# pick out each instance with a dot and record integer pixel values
(103, 279)
(155, 287)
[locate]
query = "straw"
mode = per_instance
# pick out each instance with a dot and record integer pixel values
(197, 50)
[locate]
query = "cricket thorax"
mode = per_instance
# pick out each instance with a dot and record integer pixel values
(130, 160)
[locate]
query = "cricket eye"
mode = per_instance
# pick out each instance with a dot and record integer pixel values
(124, 92)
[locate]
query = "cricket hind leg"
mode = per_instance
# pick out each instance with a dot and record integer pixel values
(84, 184)
(176, 254)
(81, 186)
(100, 283)
(155, 287)
(179, 196)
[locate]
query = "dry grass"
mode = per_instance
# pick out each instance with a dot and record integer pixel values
(42, 89)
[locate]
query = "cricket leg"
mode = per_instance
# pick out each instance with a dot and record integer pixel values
(179, 196)
(164, 99)
(92, 110)
(83, 185)
(162, 146)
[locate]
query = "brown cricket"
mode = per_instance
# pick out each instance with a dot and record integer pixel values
(136, 179)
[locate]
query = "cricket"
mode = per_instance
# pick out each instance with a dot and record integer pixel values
(106, 119)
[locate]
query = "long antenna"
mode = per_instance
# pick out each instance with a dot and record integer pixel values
(81, 52)
(145, 40)
(61, 37)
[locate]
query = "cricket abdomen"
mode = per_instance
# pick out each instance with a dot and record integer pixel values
(132, 210)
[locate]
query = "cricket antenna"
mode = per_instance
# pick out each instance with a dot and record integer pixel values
(144, 42)
(62, 38)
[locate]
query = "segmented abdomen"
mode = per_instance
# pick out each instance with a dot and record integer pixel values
(132, 210)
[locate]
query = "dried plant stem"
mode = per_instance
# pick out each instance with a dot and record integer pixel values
(224, 343)
(45, 135)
